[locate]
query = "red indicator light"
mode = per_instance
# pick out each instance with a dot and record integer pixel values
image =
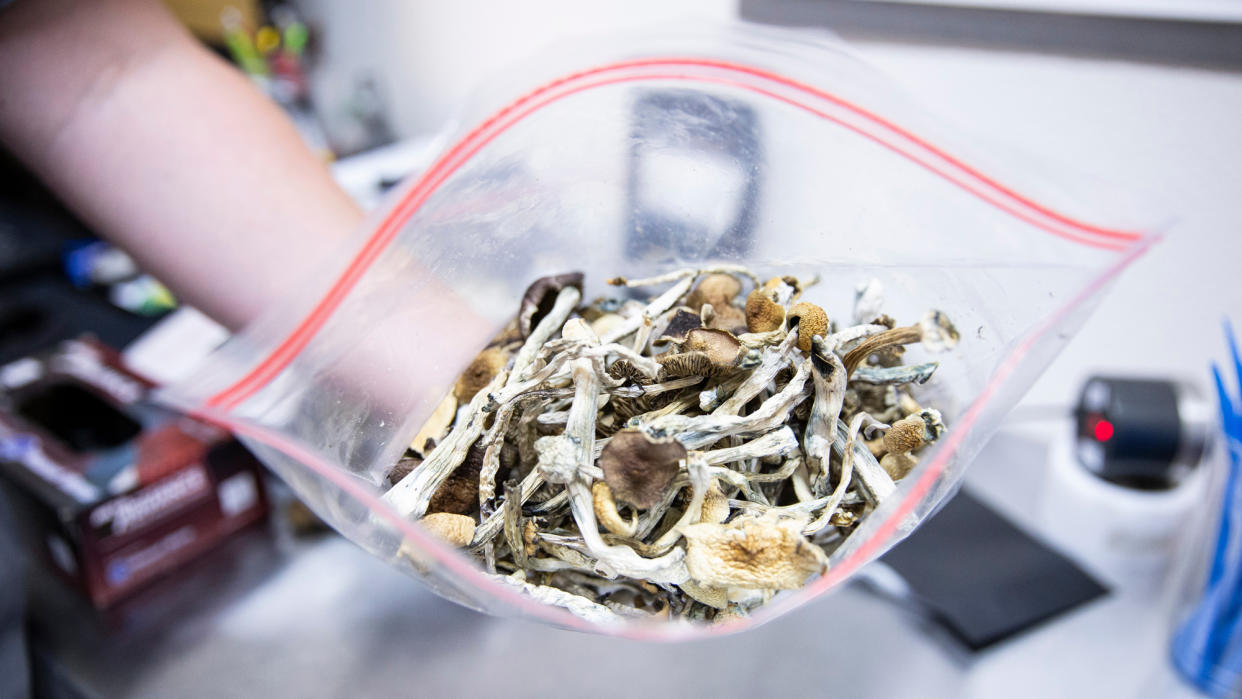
(1103, 430)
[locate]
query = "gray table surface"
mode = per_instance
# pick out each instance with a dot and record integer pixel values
(270, 615)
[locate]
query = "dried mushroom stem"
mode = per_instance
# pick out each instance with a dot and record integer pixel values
(847, 473)
(773, 361)
(651, 311)
(876, 484)
(411, 495)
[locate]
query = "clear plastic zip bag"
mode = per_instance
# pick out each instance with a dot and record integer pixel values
(635, 156)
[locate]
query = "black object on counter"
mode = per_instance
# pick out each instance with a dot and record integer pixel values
(982, 578)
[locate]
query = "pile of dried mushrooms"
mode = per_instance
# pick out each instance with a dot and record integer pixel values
(682, 456)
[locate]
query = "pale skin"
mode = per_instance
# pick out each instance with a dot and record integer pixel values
(167, 151)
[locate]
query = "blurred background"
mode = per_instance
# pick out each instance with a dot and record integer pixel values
(1100, 498)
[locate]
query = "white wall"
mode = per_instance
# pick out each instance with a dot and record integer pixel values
(426, 56)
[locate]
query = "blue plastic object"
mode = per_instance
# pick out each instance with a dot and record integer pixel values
(1207, 650)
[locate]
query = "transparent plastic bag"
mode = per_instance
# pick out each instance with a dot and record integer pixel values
(640, 155)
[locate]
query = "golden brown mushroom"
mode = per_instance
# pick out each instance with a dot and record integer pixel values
(752, 552)
(763, 314)
(810, 319)
(456, 530)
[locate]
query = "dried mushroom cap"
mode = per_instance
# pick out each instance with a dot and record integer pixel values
(683, 320)
(762, 313)
(681, 364)
(436, 426)
(729, 318)
(459, 494)
(811, 321)
(624, 369)
(456, 530)
(403, 468)
(479, 373)
(540, 296)
(639, 468)
(914, 431)
(715, 597)
(905, 435)
(717, 289)
(753, 553)
(898, 466)
(719, 345)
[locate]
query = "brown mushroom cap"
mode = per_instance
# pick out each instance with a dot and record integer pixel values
(905, 435)
(456, 530)
(540, 296)
(751, 552)
(639, 468)
(459, 493)
(479, 373)
(719, 345)
(811, 321)
(682, 321)
(405, 466)
(762, 313)
(729, 318)
(717, 289)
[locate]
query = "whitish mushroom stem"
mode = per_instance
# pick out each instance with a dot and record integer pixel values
(651, 311)
(876, 484)
(711, 398)
(700, 481)
(696, 432)
(411, 494)
(801, 484)
(897, 375)
(841, 339)
(566, 301)
(821, 427)
(778, 442)
(847, 473)
(787, 468)
(495, 522)
(773, 361)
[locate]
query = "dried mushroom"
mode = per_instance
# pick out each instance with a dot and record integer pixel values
(455, 530)
(674, 456)
(763, 314)
(540, 296)
(639, 468)
(479, 373)
(752, 552)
